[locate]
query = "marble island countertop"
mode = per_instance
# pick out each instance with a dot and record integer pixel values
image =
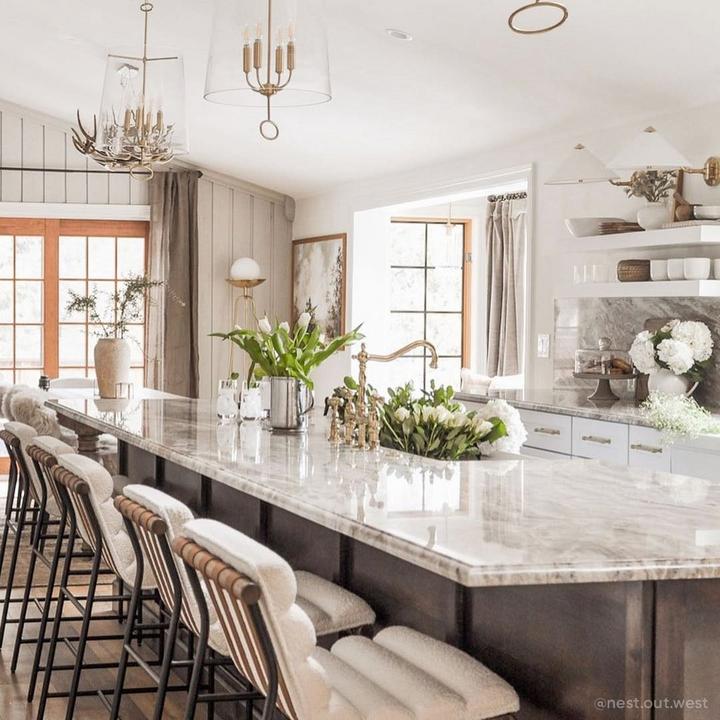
(568, 402)
(496, 522)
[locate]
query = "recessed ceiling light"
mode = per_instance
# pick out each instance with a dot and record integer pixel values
(399, 34)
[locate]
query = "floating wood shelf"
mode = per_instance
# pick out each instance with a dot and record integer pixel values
(693, 236)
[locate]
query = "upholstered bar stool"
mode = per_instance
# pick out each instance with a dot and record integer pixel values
(86, 489)
(399, 675)
(34, 508)
(157, 519)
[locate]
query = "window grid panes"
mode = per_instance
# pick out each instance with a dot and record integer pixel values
(100, 265)
(21, 307)
(41, 262)
(427, 298)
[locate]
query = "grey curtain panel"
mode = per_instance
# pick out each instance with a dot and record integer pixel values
(171, 336)
(506, 239)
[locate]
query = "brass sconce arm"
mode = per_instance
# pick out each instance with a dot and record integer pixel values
(710, 171)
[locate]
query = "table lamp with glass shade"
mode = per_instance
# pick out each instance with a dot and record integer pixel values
(245, 274)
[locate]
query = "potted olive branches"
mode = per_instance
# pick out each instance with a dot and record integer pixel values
(112, 350)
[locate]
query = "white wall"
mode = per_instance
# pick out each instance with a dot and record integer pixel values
(31, 140)
(237, 220)
(553, 250)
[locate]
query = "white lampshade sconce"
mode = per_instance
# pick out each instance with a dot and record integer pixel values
(649, 150)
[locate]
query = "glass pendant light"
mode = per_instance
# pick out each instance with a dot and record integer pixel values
(142, 112)
(267, 53)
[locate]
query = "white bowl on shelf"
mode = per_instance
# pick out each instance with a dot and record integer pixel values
(587, 227)
(707, 212)
(697, 268)
(676, 269)
(659, 270)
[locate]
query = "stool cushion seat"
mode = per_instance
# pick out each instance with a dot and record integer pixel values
(117, 546)
(331, 608)
(28, 436)
(429, 677)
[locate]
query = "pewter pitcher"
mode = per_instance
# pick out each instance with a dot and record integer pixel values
(290, 401)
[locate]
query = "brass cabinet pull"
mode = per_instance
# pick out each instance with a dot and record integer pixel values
(597, 440)
(646, 449)
(547, 431)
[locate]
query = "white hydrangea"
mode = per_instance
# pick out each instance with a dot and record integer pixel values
(696, 336)
(517, 434)
(676, 355)
(642, 353)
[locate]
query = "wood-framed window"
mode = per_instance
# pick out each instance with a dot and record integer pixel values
(431, 281)
(40, 262)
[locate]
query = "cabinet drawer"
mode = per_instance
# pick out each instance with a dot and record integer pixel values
(544, 454)
(600, 440)
(647, 451)
(547, 431)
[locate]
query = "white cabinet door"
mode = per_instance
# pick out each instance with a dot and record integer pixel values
(648, 451)
(695, 463)
(600, 440)
(547, 431)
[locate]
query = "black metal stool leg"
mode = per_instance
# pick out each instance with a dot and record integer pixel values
(82, 641)
(47, 605)
(129, 632)
(13, 563)
(167, 662)
(50, 660)
(39, 531)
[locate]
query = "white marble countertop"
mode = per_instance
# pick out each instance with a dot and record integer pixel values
(567, 402)
(487, 523)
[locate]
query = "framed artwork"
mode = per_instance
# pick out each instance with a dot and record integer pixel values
(319, 266)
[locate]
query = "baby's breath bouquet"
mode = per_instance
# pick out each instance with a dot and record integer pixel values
(436, 426)
(679, 417)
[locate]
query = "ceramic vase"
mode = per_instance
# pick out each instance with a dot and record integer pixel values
(667, 383)
(653, 216)
(112, 366)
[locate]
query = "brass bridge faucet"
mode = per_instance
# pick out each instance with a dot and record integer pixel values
(363, 357)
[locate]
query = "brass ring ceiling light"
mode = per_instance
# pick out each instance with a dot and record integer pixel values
(527, 10)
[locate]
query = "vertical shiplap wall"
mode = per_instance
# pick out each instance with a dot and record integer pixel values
(235, 222)
(32, 141)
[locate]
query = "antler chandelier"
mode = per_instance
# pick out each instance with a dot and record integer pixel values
(141, 114)
(282, 60)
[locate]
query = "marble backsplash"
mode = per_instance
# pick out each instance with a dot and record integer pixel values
(580, 322)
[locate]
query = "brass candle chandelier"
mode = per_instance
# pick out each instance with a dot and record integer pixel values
(277, 78)
(269, 54)
(141, 113)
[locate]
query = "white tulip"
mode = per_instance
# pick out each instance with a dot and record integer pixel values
(265, 326)
(285, 326)
(402, 414)
(304, 321)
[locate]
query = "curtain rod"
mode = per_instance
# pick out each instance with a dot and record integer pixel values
(508, 196)
(71, 171)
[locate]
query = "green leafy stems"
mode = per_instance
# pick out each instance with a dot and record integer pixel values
(127, 303)
(278, 351)
(435, 425)
(653, 185)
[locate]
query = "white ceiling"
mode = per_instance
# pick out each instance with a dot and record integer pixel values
(466, 83)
